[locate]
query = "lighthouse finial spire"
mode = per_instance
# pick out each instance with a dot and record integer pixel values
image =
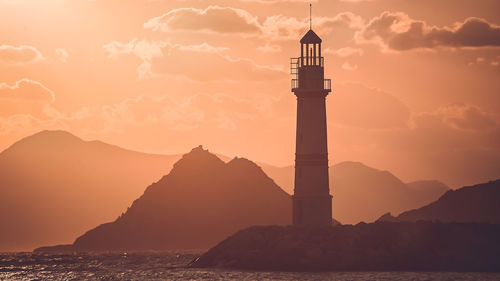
(310, 15)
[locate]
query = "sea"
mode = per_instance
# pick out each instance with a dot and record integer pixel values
(173, 266)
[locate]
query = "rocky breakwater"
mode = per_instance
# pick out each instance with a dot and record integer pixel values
(381, 246)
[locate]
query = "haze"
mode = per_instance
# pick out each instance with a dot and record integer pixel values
(415, 83)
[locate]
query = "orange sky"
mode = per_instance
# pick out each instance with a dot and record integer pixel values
(416, 83)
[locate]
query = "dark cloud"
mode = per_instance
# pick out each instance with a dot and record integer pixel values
(397, 31)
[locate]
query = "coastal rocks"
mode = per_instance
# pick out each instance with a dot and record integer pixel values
(421, 246)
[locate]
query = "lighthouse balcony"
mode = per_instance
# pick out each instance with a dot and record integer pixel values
(327, 84)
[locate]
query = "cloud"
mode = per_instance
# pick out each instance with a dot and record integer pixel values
(203, 66)
(201, 62)
(26, 90)
(456, 128)
(466, 117)
(233, 21)
(143, 49)
(397, 31)
(25, 97)
(279, 27)
(19, 123)
(19, 55)
(269, 48)
(345, 52)
(62, 55)
(215, 111)
(349, 67)
(358, 106)
(214, 19)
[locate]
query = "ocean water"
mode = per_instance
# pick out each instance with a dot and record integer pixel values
(172, 266)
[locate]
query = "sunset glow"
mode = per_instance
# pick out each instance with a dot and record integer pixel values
(415, 83)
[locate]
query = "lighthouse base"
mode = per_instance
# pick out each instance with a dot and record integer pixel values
(312, 210)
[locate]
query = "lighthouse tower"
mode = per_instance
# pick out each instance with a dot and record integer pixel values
(312, 202)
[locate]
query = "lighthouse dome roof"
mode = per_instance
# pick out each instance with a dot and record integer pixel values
(310, 38)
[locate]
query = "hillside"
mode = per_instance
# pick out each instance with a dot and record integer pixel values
(54, 186)
(478, 203)
(200, 202)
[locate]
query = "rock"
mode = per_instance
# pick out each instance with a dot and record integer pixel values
(381, 246)
(58, 249)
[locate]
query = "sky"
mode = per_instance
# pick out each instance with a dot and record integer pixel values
(416, 84)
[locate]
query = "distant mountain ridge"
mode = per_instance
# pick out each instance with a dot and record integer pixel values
(200, 202)
(58, 186)
(354, 184)
(479, 203)
(54, 186)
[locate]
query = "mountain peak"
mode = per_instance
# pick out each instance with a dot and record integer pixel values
(46, 139)
(199, 152)
(198, 149)
(52, 136)
(239, 161)
(238, 164)
(55, 134)
(201, 194)
(198, 158)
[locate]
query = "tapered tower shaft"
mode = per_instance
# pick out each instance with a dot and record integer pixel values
(312, 202)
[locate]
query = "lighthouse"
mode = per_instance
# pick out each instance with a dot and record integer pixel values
(312, 202)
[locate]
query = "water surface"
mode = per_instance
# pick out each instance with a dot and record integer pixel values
(172, 266)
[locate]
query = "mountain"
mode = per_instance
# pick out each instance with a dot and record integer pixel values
(478, 203)
(54, 186)
(424, 191)
(200, 202)
(362, 193)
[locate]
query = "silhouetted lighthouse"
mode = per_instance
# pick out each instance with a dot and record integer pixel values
(312, 202)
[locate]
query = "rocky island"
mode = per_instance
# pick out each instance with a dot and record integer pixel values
(381, 246)
(426, 239)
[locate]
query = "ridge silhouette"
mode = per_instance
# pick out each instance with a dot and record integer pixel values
(200, 202)
(62, 186)
(364, 193)
(55, 185)
(478, 203)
